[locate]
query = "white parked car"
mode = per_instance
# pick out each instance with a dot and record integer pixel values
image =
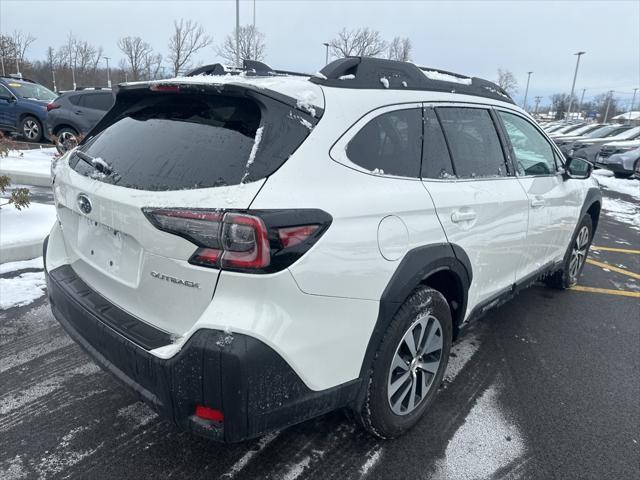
(247, 252)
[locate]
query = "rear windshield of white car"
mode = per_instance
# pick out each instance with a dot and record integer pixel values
(177, 141)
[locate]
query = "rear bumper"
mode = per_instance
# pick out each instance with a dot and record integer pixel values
(248, 381)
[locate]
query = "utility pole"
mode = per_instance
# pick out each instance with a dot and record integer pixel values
(573, 85)
(606, 112)
(633, 104)
(326, 57)
(238, 33)
(108, 72)
(526, 91)
(537, 103)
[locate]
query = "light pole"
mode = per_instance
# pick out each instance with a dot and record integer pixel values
(238, 33)
(633, 104)
(537, 103)
(326, 57)
(108, 72)
(2, 62)
(606, 112)
(581, 99)
(573, 85)
(526, 91)
(53, 74)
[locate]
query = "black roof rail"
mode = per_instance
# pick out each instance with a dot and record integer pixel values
(379, 73)
(15, 77)
(250, 68)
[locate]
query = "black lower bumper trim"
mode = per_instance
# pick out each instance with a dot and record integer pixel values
(252, 385)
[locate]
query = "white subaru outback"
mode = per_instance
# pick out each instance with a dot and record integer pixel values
(250, 249)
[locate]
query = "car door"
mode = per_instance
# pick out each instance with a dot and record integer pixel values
(93, 107)
(7, 105)
(554, 201)
(480, 204)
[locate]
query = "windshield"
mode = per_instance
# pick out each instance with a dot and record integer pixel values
(630, 134)
(32, 91)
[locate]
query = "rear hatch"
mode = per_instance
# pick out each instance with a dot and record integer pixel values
(196, 149)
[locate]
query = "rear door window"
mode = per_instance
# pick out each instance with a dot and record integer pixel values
(169, 141)
(97, 101)
(436, 162)
(534, 155)
(389, 144)
(473, 142)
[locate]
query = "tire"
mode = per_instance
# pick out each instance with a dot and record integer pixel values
(63, 137)
(388, 416)
(31, 129)
(568, 275)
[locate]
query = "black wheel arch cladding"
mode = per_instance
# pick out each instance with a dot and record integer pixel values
(417, 266)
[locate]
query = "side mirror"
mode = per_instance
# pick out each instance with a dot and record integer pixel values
(576, 167)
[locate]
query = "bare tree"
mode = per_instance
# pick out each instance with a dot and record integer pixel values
(137, 53)
(507, 81)
(362, 42)
(188, 37)
(22, 42)
(152, 66)
(399, 49)
(251, 45)
(7, 53)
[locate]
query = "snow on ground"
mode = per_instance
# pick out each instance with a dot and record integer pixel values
(461, 353)
(29, 161)
(626, 186)
(27, 225)
(21, 265)
(616, 208)
(487, 442)
(21, 290)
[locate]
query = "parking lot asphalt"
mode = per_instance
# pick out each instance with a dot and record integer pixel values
(544, 387)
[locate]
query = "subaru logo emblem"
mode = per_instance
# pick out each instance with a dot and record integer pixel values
(84, 204)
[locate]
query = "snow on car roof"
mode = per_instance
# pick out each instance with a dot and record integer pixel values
(306, 94)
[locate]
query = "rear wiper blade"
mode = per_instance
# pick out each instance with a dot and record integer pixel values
(98, 164)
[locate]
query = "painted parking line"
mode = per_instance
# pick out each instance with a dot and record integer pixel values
(613, 268)
(622, 293)
(619, 250)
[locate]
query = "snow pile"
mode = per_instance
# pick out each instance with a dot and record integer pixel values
(626, 186)
(21, 290)
(484, 445)
(26, 226)
(36, 161)
(347, 77)
(384, 81)
(21, 265)
(444, 77)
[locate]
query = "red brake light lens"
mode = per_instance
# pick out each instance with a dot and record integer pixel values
(165, 88)
(52, 106)
(292, 236)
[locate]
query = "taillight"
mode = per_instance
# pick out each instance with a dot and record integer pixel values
(52, 106)
(255, 241)
(165, 88)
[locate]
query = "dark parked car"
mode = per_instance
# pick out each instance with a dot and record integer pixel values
(75, 113)
(570, 142)
(23, 107)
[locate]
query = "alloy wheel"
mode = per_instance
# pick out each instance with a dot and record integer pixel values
(414, 365)
(66, 141)
(31, 129)
(578, 254)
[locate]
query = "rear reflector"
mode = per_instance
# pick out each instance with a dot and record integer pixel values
(207, 413)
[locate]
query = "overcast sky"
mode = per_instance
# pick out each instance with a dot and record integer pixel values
(470, 37)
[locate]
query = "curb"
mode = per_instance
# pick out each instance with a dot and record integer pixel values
(24, 178)
(21, 251)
